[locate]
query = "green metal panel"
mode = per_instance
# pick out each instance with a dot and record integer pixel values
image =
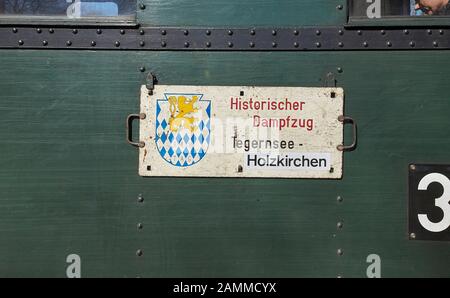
(69, 182)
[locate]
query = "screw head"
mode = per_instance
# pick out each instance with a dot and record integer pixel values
(441, 32)
(359, 32)
(412, 236)
(430, 32)
(140, 198)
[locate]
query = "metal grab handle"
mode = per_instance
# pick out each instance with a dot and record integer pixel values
(352, 146)
(130, 120)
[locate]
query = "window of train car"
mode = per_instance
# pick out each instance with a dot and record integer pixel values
(68, 10)
(401, 12)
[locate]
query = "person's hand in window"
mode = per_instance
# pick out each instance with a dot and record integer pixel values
(431, 6)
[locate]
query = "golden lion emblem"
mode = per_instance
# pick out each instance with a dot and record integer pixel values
(184, 117)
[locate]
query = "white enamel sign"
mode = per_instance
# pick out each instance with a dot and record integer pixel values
(211, 131)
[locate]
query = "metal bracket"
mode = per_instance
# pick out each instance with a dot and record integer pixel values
(352, 146)
(151, 81)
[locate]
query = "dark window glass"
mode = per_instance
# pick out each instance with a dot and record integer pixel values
(416, 8)
(69, 8)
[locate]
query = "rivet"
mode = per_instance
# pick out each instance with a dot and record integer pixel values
(365, 44)
(139, 252)
(274, 45)
(318, 44)
(296, 44)
(141, 32)
(208, 44)
(140, 198)
(122, 31)
(340, 252)
(185, 32)
(252, 32)
(296, 32)
(44, 42)
(142, 43)
(51, 30)
(435, 44)
(339, 276)
(412, 236)
(341, 32)
(68, 43)
(318, 32)
(142, 69)
(230, 44)
(39, 30)
(186, 44)
(340, 70)
(99, 31)
(14, 30)
(229, 32)
(252, 44)
(429, 32)
(163, 32)
(441, 32)
(274, 32)
(383, 32)
(21, 42)
(359, 32)
(117, 44)
(406, 31)
(163, 44)
(142, 6)
(340, 7)
(140, 226)
(412, 44)
(208, 32)
(74, 31)
(340, 44)
(389, 44)
(412, 167)
(340, 225)
(93, 43)
(340, 199)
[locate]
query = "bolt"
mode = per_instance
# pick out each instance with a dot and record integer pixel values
(429, 32)
(140, 198)
(340, 252)
(139, 252)
(340, 199)
(412, 236)
(412, 167)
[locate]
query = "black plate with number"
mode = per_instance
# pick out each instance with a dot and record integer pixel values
(429, 202)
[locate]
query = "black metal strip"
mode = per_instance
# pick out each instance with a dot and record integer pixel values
(194, 39)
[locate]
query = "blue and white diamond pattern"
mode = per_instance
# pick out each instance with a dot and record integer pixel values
(183, 148)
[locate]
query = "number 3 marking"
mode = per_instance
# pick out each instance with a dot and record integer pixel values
(442, 203)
